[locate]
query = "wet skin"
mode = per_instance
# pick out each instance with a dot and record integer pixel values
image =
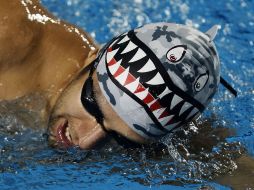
(50, 57)
(80, 127)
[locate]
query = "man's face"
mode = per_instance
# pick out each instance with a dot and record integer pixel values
(70, 124)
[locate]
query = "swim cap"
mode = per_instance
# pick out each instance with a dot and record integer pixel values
(159, 76)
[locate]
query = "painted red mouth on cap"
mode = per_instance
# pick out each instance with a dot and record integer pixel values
(135, 71)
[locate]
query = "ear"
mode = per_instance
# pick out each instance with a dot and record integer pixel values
(211, 33)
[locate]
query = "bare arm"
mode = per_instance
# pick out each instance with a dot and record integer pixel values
(37, 51)
(17, 34)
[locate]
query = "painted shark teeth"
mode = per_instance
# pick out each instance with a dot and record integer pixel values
(166, 120)
(164, 93)
(176, 99)
(111, 45)
(130, 78)
(141, 95)
(192, 113)
(131, 46)
(152, 102)
(133, 86)
(149, 66)
(158, 112)
(119, 71)
(114, 67)
(161, 104)
(138, 55)
(185, 107)
(148, 99)
(164, 114)
(156, 80)
(173, 125)
(125, 39)
(155, 105)
(111, 54)
(123, 76)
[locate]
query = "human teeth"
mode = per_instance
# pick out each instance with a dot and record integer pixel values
(133, 86)
(129, 47)
(123, 76)
(149, 66)
(156, 80)
(164, 93)
(111, 54)
(125, 39)
(67, 134)
(185, 107)
(113, 68)
(138, 55)
(176, 99)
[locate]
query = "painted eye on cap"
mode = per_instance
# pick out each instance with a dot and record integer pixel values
(176, 53)
(201, 82)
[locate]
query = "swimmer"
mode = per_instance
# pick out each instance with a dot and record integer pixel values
(137, 88)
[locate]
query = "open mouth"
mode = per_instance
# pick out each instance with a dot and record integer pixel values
(63, 135)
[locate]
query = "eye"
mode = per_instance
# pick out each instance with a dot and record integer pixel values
(201, 82)
(176, 53)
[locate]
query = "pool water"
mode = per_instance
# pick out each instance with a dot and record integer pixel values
(215, 153)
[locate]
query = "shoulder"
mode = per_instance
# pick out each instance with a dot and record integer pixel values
(17, 32)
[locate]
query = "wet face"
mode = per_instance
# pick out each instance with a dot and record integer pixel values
(70, 124)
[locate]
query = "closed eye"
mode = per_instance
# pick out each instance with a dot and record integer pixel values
(176, 53)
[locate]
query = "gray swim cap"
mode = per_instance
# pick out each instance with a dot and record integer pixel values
(159, 76)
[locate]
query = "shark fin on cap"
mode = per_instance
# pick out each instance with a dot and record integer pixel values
(211, 33)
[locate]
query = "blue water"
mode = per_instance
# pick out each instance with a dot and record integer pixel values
(227, 127)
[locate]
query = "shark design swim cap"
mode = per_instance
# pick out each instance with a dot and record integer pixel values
(159, 76)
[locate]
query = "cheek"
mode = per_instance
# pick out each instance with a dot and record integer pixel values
(70, 103)
(74, 108)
